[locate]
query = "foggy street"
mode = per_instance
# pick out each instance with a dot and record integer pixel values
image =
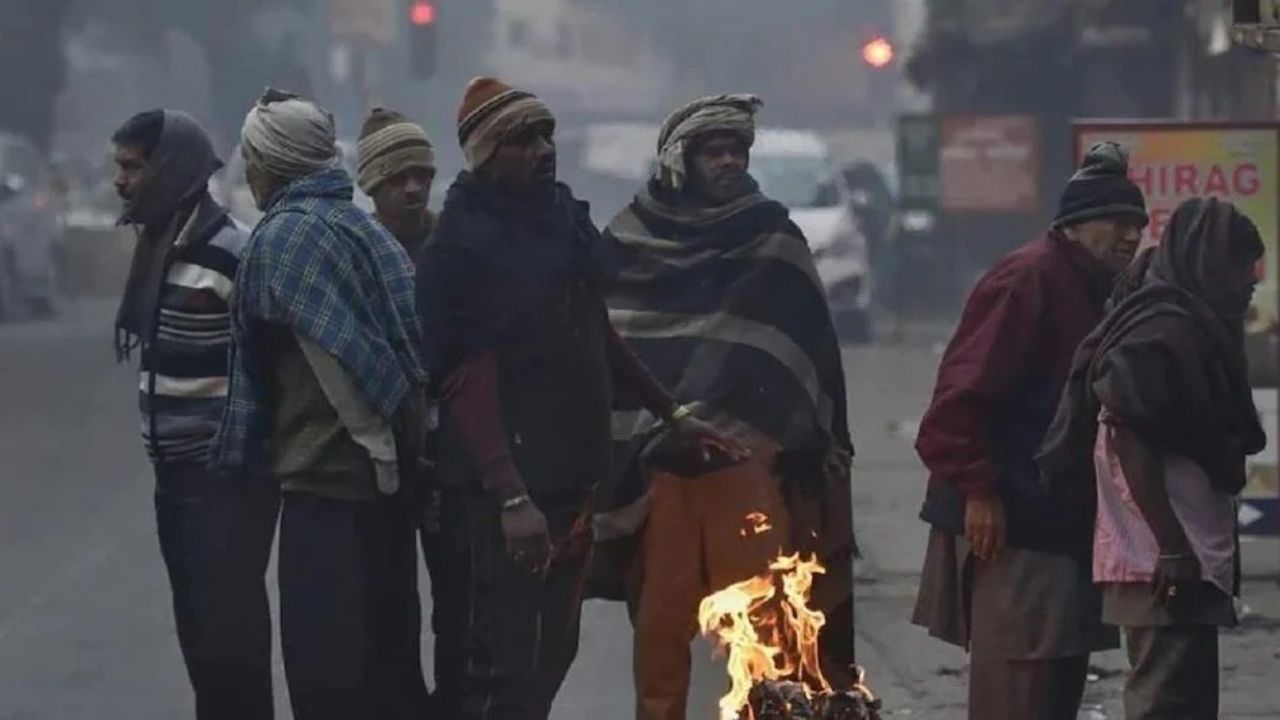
(535, 274)
(85, 626)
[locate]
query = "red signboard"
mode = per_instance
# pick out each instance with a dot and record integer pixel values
(990, 164)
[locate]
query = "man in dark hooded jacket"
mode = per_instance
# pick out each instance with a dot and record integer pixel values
(1168, 464)
(215, 528)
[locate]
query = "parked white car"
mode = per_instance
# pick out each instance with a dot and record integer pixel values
(795, 168)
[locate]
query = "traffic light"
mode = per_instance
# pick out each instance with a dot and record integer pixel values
(878, 52)
(422, 38)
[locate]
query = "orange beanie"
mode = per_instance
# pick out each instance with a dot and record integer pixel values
(480, 92)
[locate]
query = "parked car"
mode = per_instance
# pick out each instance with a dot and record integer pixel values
(230, 188)
(795, 168)
(31, 231)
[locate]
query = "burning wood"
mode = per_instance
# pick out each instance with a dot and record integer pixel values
(769, 633)
(772, 700)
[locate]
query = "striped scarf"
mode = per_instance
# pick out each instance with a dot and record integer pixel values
(725, 306)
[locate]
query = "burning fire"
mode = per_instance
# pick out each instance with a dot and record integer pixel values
(768, 630)
(769, 633)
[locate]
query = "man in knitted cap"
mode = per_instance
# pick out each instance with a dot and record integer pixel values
(1007, 571)
(215, 528)
(325, 370)
(517, 334)
(397, 165)
(718, 293)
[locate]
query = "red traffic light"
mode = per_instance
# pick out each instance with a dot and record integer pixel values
(878, 52)
(422, 13)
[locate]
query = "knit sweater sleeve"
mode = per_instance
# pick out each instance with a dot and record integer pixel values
(472, 405)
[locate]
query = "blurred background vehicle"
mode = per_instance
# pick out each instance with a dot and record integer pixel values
(31, 229)
(795, 168)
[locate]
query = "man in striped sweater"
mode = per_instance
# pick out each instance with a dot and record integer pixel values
(215, 528)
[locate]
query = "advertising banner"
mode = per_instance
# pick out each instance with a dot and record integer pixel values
(990, 164)
(1173, 162)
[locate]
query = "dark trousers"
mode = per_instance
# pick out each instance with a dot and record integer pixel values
(505, 638)
(349, 617)
(215, 534)
(1001, 689)
(1174, 673)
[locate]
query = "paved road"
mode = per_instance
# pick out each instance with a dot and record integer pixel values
(85, 627)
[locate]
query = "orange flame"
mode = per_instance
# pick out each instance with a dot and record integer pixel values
(756, 523)
(767, 629)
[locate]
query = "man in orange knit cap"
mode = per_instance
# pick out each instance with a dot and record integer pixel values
(516, 333)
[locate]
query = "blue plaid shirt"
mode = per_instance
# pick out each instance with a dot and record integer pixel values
(328, 271)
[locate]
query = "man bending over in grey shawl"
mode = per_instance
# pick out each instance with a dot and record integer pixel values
(325, 366)
(718, 294)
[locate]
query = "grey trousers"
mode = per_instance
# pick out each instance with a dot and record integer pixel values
(1001, 689)
(1174, 672)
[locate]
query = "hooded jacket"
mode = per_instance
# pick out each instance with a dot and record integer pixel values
(176, 303)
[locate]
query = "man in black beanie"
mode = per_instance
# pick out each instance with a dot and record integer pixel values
(1006, 575)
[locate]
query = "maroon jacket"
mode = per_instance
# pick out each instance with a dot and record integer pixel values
(999, 383)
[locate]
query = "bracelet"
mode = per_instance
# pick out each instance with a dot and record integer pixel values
(516, 502)
(1177, 556)
(681, 412)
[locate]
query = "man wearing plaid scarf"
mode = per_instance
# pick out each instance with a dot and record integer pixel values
(325, 369)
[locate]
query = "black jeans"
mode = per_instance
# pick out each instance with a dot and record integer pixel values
(505, 638)
(349, 615)
(215, 535)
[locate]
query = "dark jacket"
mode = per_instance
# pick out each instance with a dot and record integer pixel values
(998, 387)
(184, 354)
(520, 279)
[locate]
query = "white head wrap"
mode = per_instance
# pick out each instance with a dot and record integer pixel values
(714, 113)
(288, 136)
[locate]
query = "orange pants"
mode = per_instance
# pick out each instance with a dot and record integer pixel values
(693, 545)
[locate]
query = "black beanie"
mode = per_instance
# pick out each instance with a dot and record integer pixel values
(1101, 188)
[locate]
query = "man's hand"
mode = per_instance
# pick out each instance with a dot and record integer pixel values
(984, 526)
(528, 540)
(707, 437)
(1175, 575)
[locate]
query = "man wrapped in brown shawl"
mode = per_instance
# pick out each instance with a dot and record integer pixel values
(1161, 391)
(1173, 311)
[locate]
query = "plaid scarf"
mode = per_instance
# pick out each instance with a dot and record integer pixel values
(321, 266)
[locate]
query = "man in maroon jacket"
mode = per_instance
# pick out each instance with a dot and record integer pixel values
(1005, 575)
